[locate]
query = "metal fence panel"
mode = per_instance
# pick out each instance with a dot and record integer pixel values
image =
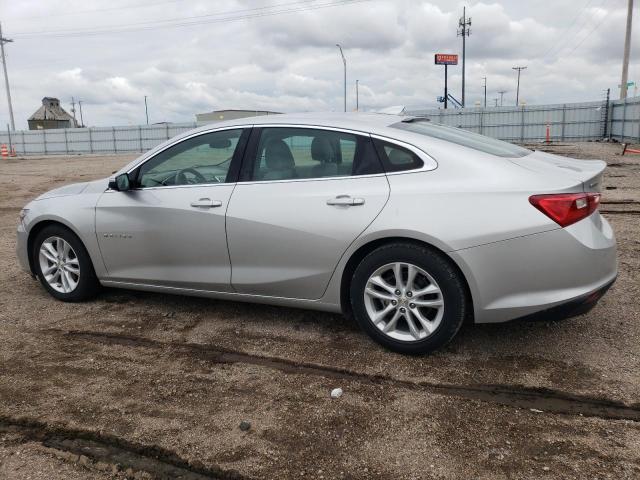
(571, 122)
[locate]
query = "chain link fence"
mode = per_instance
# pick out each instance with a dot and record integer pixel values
(619, 120)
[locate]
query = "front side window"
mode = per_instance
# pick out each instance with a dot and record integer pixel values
(303, 153)
(197, 160)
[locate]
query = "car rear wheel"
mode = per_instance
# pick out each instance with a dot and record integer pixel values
(409, 298)
(63, 265)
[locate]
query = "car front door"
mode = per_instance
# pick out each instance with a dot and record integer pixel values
(169, 229)
(305, 195)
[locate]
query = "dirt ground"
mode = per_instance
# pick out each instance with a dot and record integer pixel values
(141, 385)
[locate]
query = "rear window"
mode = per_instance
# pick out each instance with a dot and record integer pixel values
(465, 138)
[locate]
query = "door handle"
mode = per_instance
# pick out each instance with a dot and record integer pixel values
(345, 200)
(206, 203)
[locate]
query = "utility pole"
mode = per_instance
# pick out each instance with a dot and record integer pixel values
(344, 62)
(485, 91)
(627, 48)
(501, 92)
(73, 111)
(496, 100)
(146, 110)
(6, 77)
(464, 23)
(357, 97)
(81, 119)
(519, 69)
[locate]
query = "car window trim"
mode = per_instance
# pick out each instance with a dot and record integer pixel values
(429, 162)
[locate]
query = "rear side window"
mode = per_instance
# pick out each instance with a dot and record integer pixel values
(284, 153)
(396, 158)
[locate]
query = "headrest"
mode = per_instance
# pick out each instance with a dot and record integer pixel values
(322, 150)
(277, 155)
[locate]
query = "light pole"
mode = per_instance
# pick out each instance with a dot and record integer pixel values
(357, 97)
(519, 69)
(485, 91)
(501, 92)
(146, 110)
(6, 77)
(344, 62)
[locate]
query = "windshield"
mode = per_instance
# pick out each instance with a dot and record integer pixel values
(465, 138)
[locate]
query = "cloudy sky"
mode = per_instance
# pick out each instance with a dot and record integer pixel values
(191, 56)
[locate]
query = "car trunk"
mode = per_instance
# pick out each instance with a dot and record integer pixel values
(588, 173)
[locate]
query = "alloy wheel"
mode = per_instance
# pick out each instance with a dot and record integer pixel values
(59, 264)
(404, 302)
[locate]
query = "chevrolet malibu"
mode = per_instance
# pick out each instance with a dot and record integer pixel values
(408, 226)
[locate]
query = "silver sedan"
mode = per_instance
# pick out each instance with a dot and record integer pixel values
(408, 226)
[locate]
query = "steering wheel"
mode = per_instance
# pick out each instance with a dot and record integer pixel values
(195, 178)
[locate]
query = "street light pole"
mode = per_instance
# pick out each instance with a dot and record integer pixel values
(6, 77)
(146, 110)
(485, 91)
(519, 69)
(344, 62)
(357, 97)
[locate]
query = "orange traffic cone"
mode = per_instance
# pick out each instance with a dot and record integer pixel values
(12, 153)
(3, 150)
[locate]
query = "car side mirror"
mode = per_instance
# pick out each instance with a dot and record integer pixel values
(120, 183)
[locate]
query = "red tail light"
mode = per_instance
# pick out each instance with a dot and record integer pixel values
(566, 208)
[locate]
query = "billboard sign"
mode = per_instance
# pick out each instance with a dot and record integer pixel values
(446, 59)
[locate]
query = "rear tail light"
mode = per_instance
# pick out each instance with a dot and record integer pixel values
(566, 208)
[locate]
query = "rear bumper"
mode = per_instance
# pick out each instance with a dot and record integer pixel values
(573, 308)
(539, 273)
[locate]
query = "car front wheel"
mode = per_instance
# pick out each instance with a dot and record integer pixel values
(409, 298)
(63, 265)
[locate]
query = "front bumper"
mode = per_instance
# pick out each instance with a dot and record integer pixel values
(22, 250)
(536, 273)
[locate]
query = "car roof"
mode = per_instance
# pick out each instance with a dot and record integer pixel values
(358, 121)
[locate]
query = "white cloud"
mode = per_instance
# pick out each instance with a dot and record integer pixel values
(289, 62)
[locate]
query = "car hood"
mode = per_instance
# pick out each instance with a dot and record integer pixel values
(76, 189)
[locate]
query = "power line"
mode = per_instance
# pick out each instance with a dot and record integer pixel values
(204, 15)
(295, 7)
(577, 34)
(566, 30)
(597, 26)
(98, 10)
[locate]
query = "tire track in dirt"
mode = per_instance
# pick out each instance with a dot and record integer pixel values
(540, 399)
(110, 453)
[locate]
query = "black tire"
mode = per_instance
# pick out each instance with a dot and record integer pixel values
(88, 285)
(439, 267)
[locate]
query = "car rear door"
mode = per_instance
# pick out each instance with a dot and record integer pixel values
(305, 195)
(170, 229)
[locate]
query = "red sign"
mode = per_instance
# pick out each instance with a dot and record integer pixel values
(446, 59)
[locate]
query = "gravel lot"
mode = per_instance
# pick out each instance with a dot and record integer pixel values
(141, 385)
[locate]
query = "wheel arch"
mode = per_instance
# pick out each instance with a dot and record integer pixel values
(363, 250)
(37, 228)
